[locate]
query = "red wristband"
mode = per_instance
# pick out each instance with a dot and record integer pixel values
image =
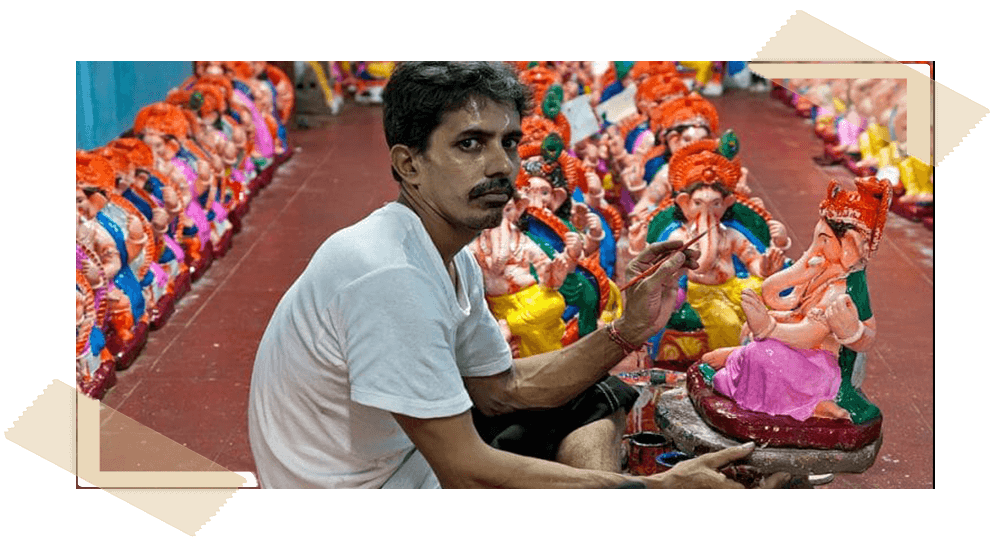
(621, 341)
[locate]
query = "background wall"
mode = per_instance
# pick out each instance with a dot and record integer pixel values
(109, 94)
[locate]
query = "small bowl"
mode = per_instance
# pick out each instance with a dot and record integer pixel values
(667, 460)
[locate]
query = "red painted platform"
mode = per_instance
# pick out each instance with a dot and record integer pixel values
(191, 381)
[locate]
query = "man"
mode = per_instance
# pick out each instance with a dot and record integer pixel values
(370, 367)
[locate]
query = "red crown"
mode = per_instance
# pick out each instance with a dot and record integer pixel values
(865, 208)
(699, 162)
(93, 170)
(661, 88)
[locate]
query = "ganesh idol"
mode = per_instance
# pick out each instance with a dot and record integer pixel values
(548, 179)
(703, 182)
(522, 282)
(109, 227)
(805, 329)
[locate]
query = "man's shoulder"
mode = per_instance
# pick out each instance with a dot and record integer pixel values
(380, 235)
(388, 238)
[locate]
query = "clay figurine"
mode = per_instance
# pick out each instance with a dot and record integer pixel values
(522, 282)
(95, 367)
(548, 177)
(118, 239)
(805, 330)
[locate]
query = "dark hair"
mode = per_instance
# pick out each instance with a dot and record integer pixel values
(839, 228)
(719, 187)
(418, 95)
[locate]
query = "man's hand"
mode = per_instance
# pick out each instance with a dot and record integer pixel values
(651, 301)
(703, 472)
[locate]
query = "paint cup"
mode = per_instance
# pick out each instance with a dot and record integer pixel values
(643, 448)
(666, 461)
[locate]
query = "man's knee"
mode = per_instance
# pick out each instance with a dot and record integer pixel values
(595, 445)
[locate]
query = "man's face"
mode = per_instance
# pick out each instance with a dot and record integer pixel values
(467, 171)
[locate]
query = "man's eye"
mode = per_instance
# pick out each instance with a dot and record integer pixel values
(511, 143)
(469, 144)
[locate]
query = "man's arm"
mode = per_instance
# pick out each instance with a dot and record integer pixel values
(548, 379)
(460, 459)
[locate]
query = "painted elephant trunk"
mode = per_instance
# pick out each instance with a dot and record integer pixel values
(709, 243)
(796, 276)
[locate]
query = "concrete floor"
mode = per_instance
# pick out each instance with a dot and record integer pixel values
(191, 381)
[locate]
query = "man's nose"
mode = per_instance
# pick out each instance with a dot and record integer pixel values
(499, 162)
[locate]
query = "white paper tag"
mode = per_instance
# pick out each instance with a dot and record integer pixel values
(619, 106)
(582, 121)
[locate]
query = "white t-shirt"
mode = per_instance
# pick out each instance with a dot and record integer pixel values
(372, 326)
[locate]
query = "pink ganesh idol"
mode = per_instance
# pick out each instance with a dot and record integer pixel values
(805, 330)
(160, 126)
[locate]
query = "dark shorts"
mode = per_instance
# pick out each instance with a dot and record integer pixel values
(538, 433)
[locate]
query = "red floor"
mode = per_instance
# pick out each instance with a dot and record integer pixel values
(191, 381)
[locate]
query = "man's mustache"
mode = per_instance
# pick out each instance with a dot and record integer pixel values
(499, 185)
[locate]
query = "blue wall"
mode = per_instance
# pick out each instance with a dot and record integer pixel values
(110, 94)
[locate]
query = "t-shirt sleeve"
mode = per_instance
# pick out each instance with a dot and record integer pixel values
(395, 338)
(480, 347)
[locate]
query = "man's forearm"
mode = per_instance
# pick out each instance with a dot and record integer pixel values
(552, 379)
(500, 469)
(461, 459)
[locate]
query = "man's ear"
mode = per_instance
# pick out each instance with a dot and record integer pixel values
(405, 162)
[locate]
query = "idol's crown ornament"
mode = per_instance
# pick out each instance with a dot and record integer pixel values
(700, 162)
(549, 160)
(553, 101)
(729, 145)
(93, 171)
(552, 147)
(196, 101)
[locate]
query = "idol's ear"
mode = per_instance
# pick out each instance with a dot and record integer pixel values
(683, 200)
(853, 249)
(559, 196)
(728, 201)
(521, 203)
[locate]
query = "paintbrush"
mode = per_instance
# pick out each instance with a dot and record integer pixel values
(664, 257)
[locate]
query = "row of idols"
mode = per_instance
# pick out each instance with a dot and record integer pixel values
(158, 204)
(776, 337)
